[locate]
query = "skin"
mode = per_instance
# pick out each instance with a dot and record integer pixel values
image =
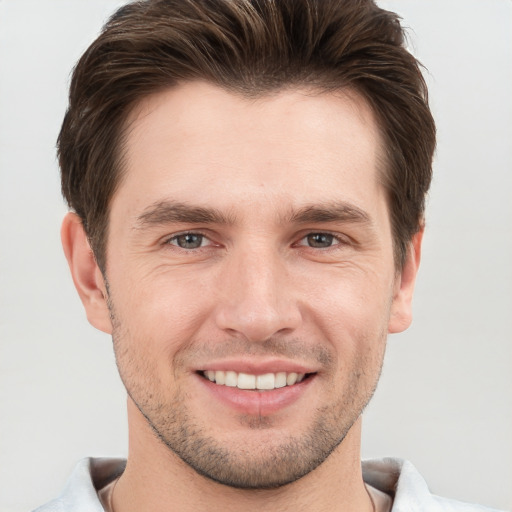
(293, 269)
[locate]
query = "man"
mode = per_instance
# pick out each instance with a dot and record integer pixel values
(247, 184)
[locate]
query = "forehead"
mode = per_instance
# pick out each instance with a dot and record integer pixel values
(197, 142)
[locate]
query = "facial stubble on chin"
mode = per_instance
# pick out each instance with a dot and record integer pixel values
(241, 465)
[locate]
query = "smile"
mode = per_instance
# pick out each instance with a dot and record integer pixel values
(241, 380)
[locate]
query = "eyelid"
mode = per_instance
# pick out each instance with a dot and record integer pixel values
(338, 237)
(341, 239)
(169, 238)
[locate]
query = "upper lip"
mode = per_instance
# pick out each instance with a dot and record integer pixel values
(255, 367)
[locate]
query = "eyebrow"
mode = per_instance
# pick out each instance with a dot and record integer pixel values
(333, 212)
(167, 211)
(164, 212)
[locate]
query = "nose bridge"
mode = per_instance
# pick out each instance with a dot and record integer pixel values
(258, 299)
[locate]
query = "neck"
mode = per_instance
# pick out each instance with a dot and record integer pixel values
(158, 480)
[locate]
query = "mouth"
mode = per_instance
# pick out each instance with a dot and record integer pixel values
(248, 381)
(256, 388)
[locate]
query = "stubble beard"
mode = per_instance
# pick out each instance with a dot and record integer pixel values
(246, 466)
(268, 465)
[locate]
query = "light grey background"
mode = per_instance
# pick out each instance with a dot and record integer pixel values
(444, 401)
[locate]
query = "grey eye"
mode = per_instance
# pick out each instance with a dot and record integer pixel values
(320, 240)
(188, 241)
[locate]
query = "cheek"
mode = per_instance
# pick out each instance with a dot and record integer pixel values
(353, 319)
(354, 302)
(161, 304)
(156, 321)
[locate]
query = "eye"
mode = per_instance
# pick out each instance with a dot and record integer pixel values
(189, 241)
(320, 240)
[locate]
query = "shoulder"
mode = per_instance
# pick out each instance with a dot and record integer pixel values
(80, 492)
(410, 492)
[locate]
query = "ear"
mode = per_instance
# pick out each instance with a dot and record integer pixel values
(86, 274)
(401, 308)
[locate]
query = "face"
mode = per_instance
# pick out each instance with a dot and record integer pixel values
(251, 281)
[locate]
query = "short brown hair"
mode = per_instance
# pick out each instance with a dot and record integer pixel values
(249, 47)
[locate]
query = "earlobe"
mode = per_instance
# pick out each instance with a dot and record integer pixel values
(86, 274)
(401, 308)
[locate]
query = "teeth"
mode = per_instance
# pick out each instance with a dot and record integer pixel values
(280, 381)
(248, 381)
(266, 381)
(231, 379)
(291, 379)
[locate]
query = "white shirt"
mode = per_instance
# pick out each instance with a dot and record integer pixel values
(395, 477)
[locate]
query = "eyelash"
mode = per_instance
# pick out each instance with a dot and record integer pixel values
(336, 240)
(333, 238)
(184, 234)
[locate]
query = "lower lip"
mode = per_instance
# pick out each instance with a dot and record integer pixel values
(254, 402)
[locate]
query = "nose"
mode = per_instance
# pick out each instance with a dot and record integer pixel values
(257, 299)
